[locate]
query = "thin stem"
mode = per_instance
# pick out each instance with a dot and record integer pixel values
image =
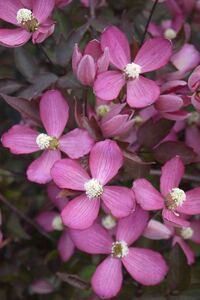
(185, 177)
(92, 9)
(148, 21)
(24, 217)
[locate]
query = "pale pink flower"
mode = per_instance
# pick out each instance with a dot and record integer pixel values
(105, 160)
(54, 115)
(141, 91)
(91, 62)
(144, 265)
(172, 200)
(32, 19)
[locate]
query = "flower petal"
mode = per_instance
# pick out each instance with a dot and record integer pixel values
(118, 45)
(9, 11)
(142, 92)
(45, 220)
(94, 240)
(192, 204)
(172, 172)
(105, 160)
(20, 140)
(189, 253)
(69, 174)
(93, 48)
(76, 143)
(107, 279)
(81, 212)
(146, 266)
(168, 103)
(54, 112)
(43, 9)
(65, 246)
(146, 195)
(195, 225)
(119, 206)
(154, 54)
(86, 70)
(39, 170)
(157, 231)
(108, 85)
(192, 138)
(174, 219)
(14, 37)
(129, 229)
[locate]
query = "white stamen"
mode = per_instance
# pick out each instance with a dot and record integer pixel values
(193, 118)
(93, 188)
(24, 15)
(187, 233)
(108, 222)
(119, 249)
(57, 223)
(132, 70)
(43, 141)
(102, 110)
(170, 34)
(178, 196)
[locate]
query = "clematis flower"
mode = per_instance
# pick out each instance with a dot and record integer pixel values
(54, 115)
(105, 160)
(172, 200)
(32, 19)
(155, 230)
(144, 265)
(93, 61)
(194, 86)
(141, 91)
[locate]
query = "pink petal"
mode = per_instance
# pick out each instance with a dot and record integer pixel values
(9, 11)
(172, 172)
(108, 85)
(81, 212)
(65, 246)
(94, 240)
(192, 204)
(45, 220)
(192, 138)
(157, 231)
(194, 79)
(76, 143)
(105, 160)
(119, 206)
(54, 112)
(154, 54)
(20, 140)
(86, 70)
(129, 229)
(168, 103)
(53, 194)
(176, 115)
(93, 48)
(43, 32)
(111, 127)
(146, 266)
(103, 61)
(173, 218)
(107, 279)
(76, 57)
(14, 37)
(195, 225)
(43, 9)
(39, 169)
(118, 46)
(146, 195)
(189, 253)
(142, 92)
(69, 174)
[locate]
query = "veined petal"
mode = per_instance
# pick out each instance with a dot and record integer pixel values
(174, 219)
(168, 103)
(65, 246)
(14, 37)
(189, 253)
(43, 9)
(86, 70)
(157, 231)
(9, 11)
(195, 225)
(192, 204)
(93, 48)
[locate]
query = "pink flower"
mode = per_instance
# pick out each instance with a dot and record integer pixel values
(194, 86)
(141, 91)
(172, 200)
(32, 19)
(105, 160)
(54, 115)
(93, 61)
(144, 265)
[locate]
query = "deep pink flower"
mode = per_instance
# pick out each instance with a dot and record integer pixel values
(141, 91)
(54, 115)
(93, 61)
(105, 161)
(144, 265)
(32, 19)
(172, 200)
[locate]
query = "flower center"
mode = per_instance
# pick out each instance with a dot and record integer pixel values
(108, 222)
(186, 233)
(132, 71)
(93, 188)
(175, 198)
(57, 223)
(170, 34)
(193, 118)
(45, 141)
(26, 19)
(102, 110)
(119, 249)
